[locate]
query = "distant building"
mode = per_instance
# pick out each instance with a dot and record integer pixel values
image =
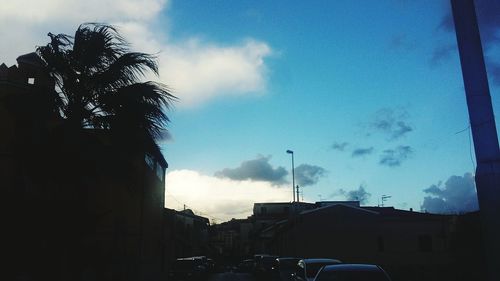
(232, 240)
(406, 243)
(265, 214)
(186, 234)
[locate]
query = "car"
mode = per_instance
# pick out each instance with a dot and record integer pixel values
(210, 264)
(263, 267)
(352, 272)
(284, 267)
(188, 269)
(257, 260)
(306, 269)
(245, 266)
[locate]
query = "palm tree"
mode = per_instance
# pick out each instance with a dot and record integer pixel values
(98, 86)
(98, 83)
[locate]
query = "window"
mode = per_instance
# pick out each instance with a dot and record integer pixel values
(150, 161)
(263, 210)
(159, 171)
(425, 243)
(31, 80)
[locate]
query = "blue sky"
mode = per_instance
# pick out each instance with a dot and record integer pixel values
(335, 66)
(380, 79)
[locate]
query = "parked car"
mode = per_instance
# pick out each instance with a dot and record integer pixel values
(307, 269)
(245, 266)
(284, 267)
(256, 261)
(263, 267)
(352, 272)
(188, 269)
(210, 264)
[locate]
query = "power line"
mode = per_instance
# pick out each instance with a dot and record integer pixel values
(193, 209)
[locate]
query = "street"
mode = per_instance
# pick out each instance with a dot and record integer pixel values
(231, 276)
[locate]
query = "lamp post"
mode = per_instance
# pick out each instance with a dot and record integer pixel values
(293, 175)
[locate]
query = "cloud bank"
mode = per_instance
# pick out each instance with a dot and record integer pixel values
(457, 195)
(394, 157)
(339, 146)
(390, 122)
(219, 198)
(258, 169)
(196, 70)
(359, 194)
(306, 174)
(358, 152)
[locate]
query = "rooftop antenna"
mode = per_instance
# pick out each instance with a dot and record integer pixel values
(383, 199)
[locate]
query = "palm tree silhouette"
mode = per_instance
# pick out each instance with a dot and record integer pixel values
(98, 83)
(98, 86)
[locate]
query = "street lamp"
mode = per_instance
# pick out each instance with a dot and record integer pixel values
(293, 175)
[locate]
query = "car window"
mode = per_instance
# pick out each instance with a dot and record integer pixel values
(312, 269)
(288, 264)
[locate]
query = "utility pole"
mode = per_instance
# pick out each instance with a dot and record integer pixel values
(297, 189)
(482, 123)
(293, 175)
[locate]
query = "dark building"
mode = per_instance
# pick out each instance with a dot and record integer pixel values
(82, 205)
(409, 245)
(185, 235)
(232, 240)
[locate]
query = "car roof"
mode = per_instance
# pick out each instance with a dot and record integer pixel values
(352, 267)
(309, 261)
(288, 258)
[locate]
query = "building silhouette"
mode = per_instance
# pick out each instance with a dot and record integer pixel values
(80, 205)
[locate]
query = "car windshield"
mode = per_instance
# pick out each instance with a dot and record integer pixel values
(268, 261)
(351, 276)
(313, 268)
(288, 264)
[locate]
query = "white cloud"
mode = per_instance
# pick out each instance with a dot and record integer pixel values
(46, 11)
(197, 70)
(221, 198)
(200, 71)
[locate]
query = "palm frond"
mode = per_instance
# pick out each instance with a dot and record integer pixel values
(97, 78)
(125, 70)
(141, 106)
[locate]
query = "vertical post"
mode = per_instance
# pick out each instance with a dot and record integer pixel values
(297, 189)
(293, 178)
(293, 175)
(483, 128)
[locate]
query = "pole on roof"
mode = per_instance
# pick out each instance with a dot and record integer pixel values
(482, 124)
